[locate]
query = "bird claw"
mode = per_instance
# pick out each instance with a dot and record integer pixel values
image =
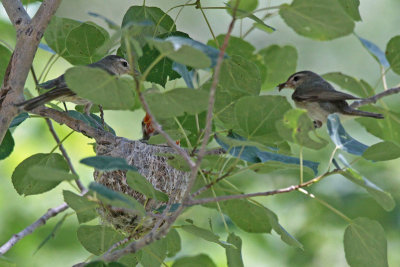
(317, 124)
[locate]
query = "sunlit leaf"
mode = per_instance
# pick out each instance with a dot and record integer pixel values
(365, 244)
(234, 255)
(101, 88)
(154, 254)
(84, 208)
(351, 8)
(280, 62)
(317, 19)
(296, 127)
(49, 174)
(173, 242)
(201, 260)
(97, 239)
(27, 183)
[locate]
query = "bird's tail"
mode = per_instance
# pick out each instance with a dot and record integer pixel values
(355, 112)
(44, 98)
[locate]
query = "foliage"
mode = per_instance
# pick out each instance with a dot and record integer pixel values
(260, 131)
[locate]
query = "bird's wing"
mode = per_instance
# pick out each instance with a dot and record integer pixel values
(318, 94)
(55, 83)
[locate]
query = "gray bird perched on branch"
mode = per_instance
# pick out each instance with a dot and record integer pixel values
(114, 65)
(319, 98)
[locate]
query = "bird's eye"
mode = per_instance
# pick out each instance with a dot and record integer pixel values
(296, 78)
(124, 63)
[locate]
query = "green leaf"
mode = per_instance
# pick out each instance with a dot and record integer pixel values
(116, 199)
(296, 126)
(101, 88)
(285, 236)
(375, 51)
(174, 134)
(247, 216)
(393, 53)
(387, 129)
(382, 151)
(205, 234)
(163, 23)
(154, 254)
(256, 117)
(83, 42)
(52, 233)
(7, 145)
(56, 34)
(239, 77)
(176, 102)
(97, 239)
(139, 183)
(248, 5)
(49, 174)
(365, 244)
(4, 262)
(317, 19)
(383, 198)
(131, 259)
(107, 163)
(351, 8)
(90, 120)
(280, 62)
(173, 242)
(27, 183)
(234, 255)
(358, 87)
(183, 50)
(201, 260)
(84, 208)
(19, 119)
(272, 166)
(5, 55)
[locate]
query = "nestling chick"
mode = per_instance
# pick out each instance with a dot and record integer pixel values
(319, 98)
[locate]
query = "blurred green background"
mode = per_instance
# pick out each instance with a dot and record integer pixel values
(320, 230)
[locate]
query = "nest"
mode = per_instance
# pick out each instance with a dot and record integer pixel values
(157, 171)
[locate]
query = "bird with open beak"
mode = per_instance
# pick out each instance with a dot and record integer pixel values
(319, 98)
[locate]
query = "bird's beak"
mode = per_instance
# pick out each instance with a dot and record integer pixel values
(281, 86)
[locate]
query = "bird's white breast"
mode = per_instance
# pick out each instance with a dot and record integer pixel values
(314, 110)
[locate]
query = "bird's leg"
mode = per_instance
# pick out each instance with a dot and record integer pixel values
(317, 124)
(86, 110)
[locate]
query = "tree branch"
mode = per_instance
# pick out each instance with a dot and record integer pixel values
(17, 13)
(267, 193)
(373, 99)
(29, 35)
(28, 230)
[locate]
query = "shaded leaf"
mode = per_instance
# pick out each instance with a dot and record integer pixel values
(382, 151)
(139, 183)
(375, 51)
(365, 243)
(49, 174)
(176, 102)
(111, 24)
(280, 63)
(5, 55)
(93, 120)
(234, 255)
(256, 117)
(84, 208)
(107, 163)
(383, 198)
(393, 53)
(26, 183)
(247, 6)
(52, 233)
(131, 259)
(317, 19)
(187, 75)
(97, 239)
(205, 234)
(247, 216)
(101, 88)
(173, 242)
(342, 139)
(19, 119)
(7, 145)
(296, 126)
(360, 88)
(201, 260)
(154, 254)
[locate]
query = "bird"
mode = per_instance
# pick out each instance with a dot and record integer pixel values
(58, 88)
(148, 129)
(319, 97)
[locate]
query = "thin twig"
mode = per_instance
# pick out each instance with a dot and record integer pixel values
(267, 193)
(28, 230)
(373, 99)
